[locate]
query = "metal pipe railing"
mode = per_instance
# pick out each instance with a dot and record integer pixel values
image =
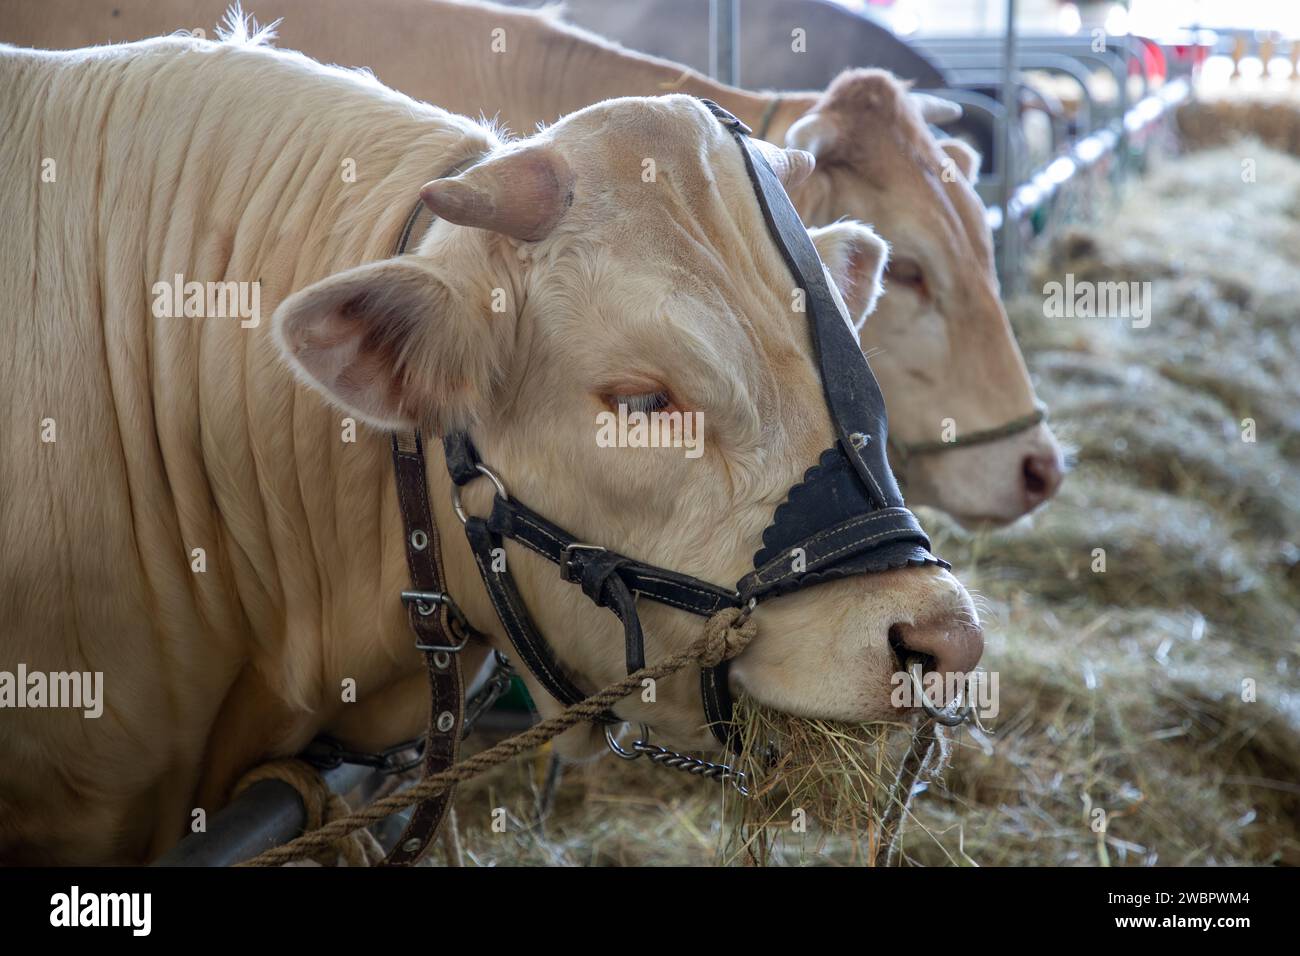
(269, 813)
(1040, 188)
(1007, 254)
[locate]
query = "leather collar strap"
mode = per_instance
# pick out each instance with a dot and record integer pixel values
(441, 631)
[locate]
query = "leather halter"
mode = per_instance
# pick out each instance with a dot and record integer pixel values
(845, 517)
(769, 111)
(904, 451)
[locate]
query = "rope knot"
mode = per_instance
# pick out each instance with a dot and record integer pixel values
(726, 634)
(322, 806)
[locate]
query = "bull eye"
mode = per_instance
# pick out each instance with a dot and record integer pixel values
(646, 403)
(904, 273)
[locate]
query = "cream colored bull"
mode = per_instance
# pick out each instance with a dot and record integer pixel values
(182, 515)
(940, 342)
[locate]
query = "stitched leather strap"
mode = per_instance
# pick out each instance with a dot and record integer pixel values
(513, 614)
(608, 578)
(437, 631)
(437, 623)
(853, 396)
(832, 547)
(520, 523)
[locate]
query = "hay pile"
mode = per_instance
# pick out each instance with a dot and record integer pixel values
(1123, 736)
(1273, 120)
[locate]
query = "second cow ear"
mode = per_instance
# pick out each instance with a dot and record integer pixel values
(396, 344)
(855, 257)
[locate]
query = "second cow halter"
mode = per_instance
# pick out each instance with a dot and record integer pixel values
(903, 451)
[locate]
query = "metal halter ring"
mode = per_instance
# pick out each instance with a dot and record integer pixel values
(954, 714)
(612, 740)
(455, 491)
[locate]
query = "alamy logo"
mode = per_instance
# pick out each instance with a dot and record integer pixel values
(76, 690)
(208, 300)
(1098, 300)
(978, 689)
(657, 429)
(75, 908)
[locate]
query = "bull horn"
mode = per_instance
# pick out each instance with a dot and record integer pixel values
(523, 194)
(936, 109)
(813, 133)
(792, 166)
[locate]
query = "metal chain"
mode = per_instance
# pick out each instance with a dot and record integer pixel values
(695, 766)
(956, 713)
(663, 757)
(326, 753)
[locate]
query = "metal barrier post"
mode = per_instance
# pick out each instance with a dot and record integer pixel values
(1007, 253)
(724, 46)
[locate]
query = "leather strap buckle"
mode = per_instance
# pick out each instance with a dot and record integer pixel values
(569, 570)
(426, 604)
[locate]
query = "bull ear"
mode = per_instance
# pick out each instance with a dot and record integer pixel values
(522, 192)
(964, 157)
(855, 257)
(394, 343)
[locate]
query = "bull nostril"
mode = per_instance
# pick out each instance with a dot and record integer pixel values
(950, 644)
(903, 652)
(1042, 476)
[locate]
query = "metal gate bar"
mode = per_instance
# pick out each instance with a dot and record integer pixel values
(267, 814)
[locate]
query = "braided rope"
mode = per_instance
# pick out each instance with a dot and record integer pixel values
(726, 634)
